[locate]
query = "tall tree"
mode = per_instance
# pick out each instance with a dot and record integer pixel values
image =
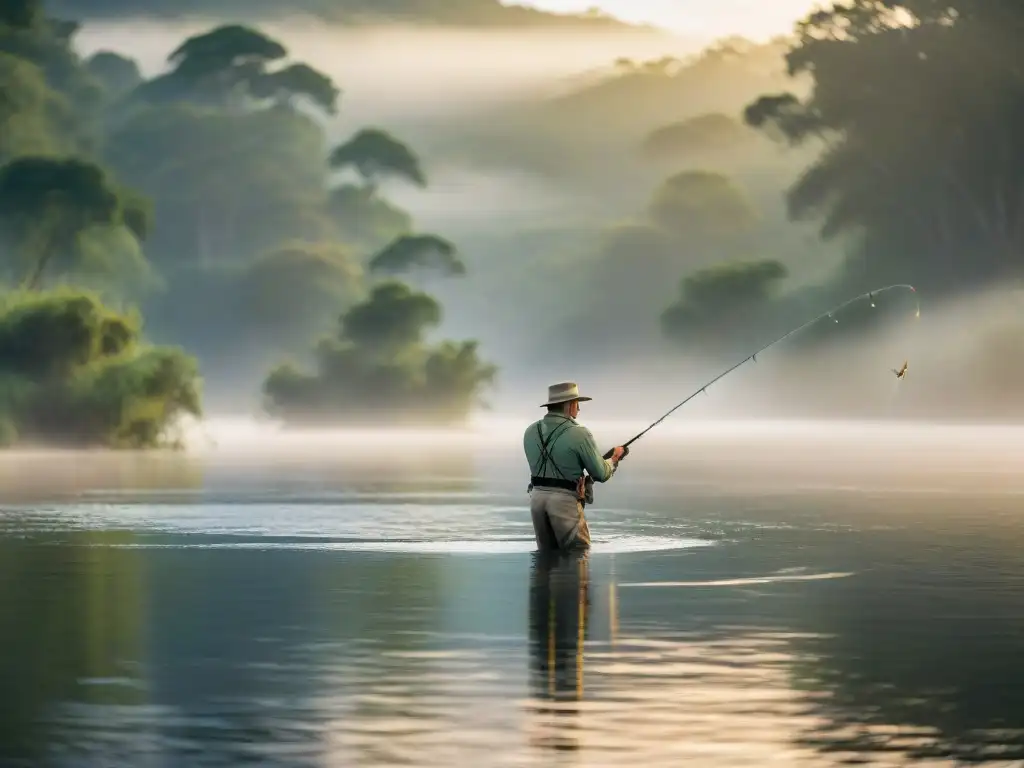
(225, 186)
(49, 206)
(230, 66)
(920, 105)
(376, 155)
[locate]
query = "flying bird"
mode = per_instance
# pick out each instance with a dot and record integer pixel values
(902, 372)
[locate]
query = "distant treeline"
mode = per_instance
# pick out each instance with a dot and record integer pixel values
(487, 13)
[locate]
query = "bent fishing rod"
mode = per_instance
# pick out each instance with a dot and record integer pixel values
(870, 295)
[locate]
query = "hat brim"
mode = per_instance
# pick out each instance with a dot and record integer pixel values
(581, 398)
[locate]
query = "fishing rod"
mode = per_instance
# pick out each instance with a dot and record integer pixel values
(753, 357)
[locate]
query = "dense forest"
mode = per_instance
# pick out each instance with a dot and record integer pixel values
(687, 207)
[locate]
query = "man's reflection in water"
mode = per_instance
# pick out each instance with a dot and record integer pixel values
(559, 612)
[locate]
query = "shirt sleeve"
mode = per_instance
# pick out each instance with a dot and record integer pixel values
(599, 468)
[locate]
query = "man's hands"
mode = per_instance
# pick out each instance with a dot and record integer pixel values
(617, 453)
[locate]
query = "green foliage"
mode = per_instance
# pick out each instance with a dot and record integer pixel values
(716, 301)
(49, 207)
(702, 207)
(295, 80)
(48, 44)
(411, 252)
(229, 65)
(34, 117)
(378, 368)
(926, 167)
(376, 155)
(393, 318)
(224, 184)
(72, 372)
(22, 14)
(229, 191)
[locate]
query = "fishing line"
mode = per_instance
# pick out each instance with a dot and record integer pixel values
(870, 295)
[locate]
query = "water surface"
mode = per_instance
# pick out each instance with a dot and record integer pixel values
(799, 596)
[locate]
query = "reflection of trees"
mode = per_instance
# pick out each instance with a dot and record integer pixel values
(559, 613)
(48, 476)
(929, 672)
(70, 621)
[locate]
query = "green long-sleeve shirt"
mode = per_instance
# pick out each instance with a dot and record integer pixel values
(572, 450)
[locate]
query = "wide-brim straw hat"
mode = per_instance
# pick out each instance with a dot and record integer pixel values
(565, 392)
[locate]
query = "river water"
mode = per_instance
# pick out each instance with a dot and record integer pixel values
(813, 594)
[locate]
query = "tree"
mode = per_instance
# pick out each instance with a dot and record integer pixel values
(27, 34)
(925, 168)
(224, 185)
(718, 301)
(50, 206)
(359, 212)
(119, 74)
(229, 65)
(410, 252)
(74, 373)
(22, 14)
(703, 207)
(378, 368)
(286, 85)
(375, 155)
(392, 318)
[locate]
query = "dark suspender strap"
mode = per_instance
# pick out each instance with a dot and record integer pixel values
(545, 450)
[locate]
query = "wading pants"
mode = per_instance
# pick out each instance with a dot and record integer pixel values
(558, 521)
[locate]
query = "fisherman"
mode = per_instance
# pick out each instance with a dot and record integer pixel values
(558, 450)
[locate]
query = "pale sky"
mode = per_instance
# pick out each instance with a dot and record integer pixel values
(756, 19)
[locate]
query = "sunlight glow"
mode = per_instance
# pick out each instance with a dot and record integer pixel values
(706, 19)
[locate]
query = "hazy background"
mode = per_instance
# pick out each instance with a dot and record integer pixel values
(581, 168)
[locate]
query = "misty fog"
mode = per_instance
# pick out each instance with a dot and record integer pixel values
(531, 235)
(406, 76)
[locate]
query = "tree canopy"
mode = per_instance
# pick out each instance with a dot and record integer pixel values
(702, 206)
(414, 252)
(74, 373)
(230, 64)
(48, 207)
(378, 368)
(923, 167)
(377, 155)
(716, 301)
